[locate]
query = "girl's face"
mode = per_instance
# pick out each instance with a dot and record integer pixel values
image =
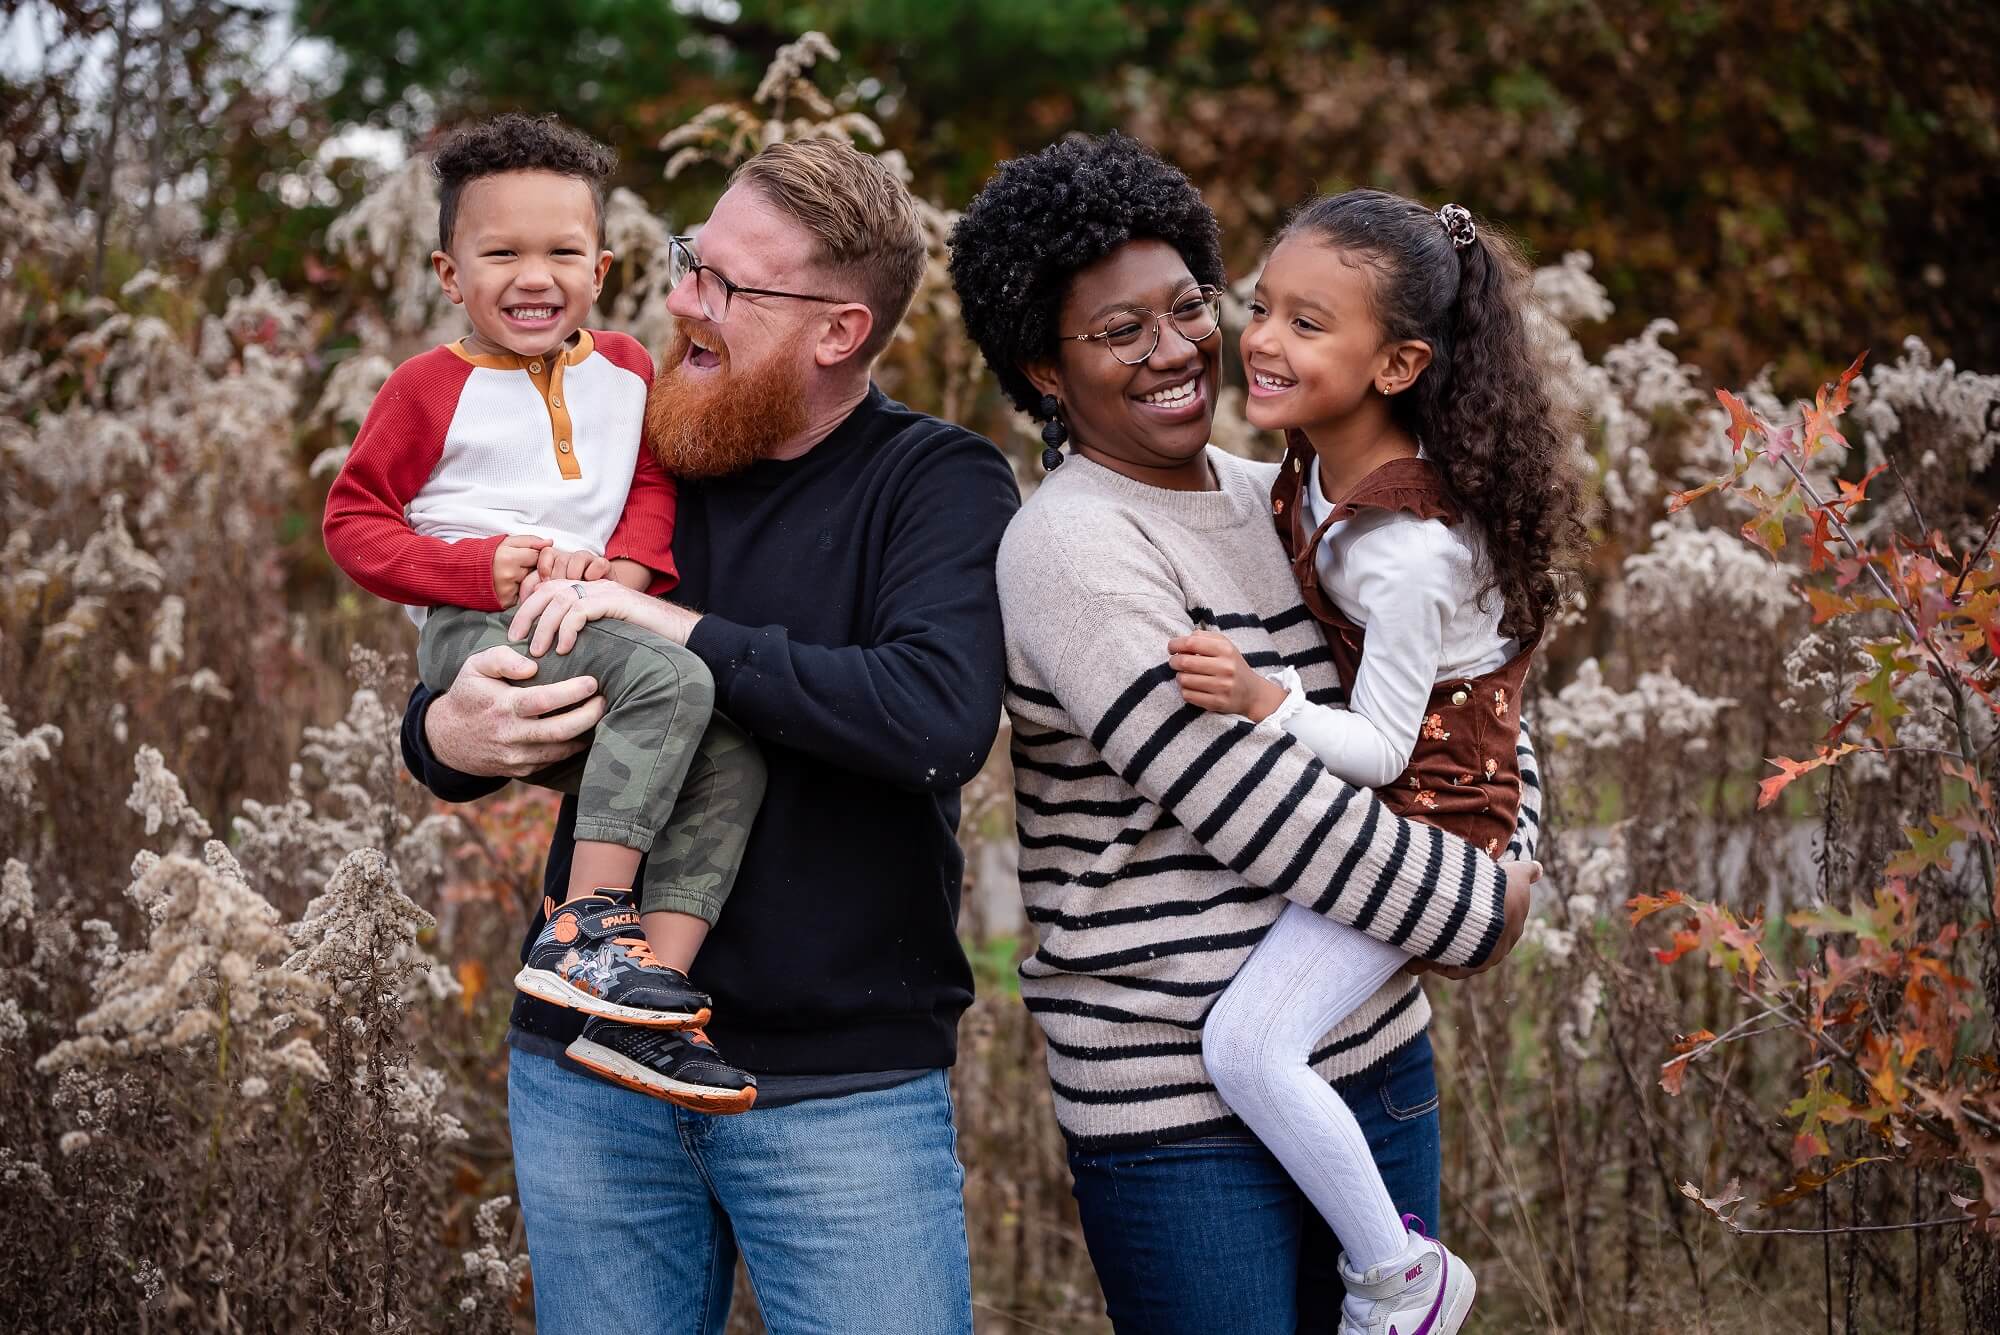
(1314, 353)
(1149, 420)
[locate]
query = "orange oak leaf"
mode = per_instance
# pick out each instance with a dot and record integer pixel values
(1768, 790)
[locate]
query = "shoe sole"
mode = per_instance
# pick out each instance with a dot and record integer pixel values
(624, 1071)
(1457, 1306)
(554, 989)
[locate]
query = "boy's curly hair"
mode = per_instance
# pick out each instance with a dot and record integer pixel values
(517, 143)
(1043, 217)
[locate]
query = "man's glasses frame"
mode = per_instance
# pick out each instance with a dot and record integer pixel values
(682, 261)
(1134, 322)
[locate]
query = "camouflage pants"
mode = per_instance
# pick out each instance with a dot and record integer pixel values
(665, 774)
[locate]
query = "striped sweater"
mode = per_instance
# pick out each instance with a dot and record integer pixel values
(1159, 841)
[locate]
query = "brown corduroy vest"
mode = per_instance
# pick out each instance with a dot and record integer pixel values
(1463, 777)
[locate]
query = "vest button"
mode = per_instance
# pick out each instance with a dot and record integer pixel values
(555, 402)
(1459, 697)
(562, 447)
(536, 367)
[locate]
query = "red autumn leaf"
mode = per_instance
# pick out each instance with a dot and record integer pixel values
(1742, 419)
(1818, 430)
(1768, 790)
(1675, 1071)
(1854, 493)
(1807, 1182)
(1817, 539)
(1645, 906)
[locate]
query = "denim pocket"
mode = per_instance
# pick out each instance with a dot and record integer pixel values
(1410, 1091)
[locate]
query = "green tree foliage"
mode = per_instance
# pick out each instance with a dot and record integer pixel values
(1788, 180)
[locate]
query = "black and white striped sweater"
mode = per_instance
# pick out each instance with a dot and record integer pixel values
(1158, 841)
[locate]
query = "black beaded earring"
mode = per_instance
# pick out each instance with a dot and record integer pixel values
(1054, 433)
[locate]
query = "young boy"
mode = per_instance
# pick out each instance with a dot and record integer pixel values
(514, 455)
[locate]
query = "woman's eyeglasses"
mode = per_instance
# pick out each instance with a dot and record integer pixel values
(711, 289)
(1133, 333)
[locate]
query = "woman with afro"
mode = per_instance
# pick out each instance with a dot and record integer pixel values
(1161, 841)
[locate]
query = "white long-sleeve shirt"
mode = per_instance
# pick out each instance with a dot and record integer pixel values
(1414, 586)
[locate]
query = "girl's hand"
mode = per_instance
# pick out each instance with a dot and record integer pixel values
(1214, 675)
(558, 609)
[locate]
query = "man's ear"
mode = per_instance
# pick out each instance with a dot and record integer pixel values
(847, 329)
(447, 272)
(1401, 364)
(604, 258)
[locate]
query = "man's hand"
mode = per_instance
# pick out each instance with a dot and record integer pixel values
(513, 561)
(1520, 876)
(559, 563)
(1213, 675)
(484, 725)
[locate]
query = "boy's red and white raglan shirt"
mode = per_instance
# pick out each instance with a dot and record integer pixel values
(461, 449)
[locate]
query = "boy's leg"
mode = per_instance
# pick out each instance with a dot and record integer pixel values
(1304, 977)
(658, 694)
(689, 873)
(693, 864)
(658, 698)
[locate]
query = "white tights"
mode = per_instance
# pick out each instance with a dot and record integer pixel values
(1304, 977)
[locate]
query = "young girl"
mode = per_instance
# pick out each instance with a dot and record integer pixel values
(1427, 499)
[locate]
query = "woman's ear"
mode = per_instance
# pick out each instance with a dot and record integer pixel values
(1401, 364)
(1043, 376)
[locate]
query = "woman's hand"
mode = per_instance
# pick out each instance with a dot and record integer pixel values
(1520, 876)
(1214, 675)
(558, 609)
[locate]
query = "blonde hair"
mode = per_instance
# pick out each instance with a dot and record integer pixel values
(861, 215)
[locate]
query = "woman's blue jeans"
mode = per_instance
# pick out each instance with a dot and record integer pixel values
(1210, 1234)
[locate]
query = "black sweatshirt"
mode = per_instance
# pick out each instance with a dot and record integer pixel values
(853, 628)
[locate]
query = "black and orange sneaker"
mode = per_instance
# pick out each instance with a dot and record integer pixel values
(678, 1065)
(592, 957)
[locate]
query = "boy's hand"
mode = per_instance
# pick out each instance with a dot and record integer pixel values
(559, 563)
(1214, 675)
(513, 561)
(632, 574)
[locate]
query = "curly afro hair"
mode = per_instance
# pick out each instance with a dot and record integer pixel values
(1044, 217)
(517, 143)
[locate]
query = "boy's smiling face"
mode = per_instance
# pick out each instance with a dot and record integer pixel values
(524, 260)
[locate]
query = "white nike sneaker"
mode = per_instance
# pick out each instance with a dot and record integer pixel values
(1428, 1291)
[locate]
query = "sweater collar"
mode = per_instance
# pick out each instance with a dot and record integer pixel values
(1235, 498)
(513, 361)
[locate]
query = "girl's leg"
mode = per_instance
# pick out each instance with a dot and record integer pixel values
(1305, 976)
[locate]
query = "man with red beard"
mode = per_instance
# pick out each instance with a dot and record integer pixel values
(836, 553)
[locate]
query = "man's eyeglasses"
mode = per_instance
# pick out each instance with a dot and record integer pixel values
(1134, 332)
(711, 289)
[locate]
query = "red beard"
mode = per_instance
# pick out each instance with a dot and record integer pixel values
(714, 423)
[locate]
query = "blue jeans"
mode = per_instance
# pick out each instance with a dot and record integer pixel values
(1210, 1234)
(849, 1211)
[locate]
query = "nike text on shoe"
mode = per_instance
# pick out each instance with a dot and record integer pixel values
(1426, 1291)
(592, 957)
(678, 1065)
